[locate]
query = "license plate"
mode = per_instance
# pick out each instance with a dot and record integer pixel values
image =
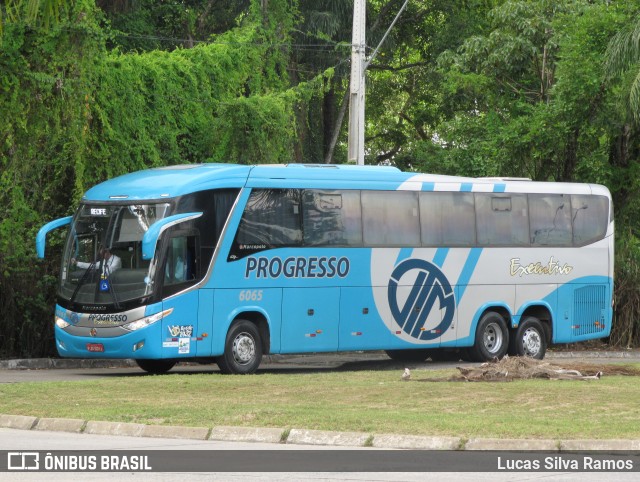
(95, 347)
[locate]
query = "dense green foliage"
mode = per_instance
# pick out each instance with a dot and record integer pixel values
(75, 113)
(536, 88)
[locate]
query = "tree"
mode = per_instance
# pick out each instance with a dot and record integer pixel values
(39, 13)
(146, 25)
(75, 113)
(623, 57)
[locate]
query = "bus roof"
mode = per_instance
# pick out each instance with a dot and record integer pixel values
(172, 181)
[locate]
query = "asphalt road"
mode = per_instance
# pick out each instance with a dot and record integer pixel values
(275, 364)
(351, 361)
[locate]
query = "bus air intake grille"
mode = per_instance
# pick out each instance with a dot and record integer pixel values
(589, 307)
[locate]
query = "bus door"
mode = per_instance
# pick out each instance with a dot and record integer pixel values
(180, 271)
(310, 319)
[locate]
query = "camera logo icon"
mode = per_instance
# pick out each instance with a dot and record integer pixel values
(23, 461)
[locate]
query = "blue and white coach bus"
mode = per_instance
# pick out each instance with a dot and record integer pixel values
(224, 263)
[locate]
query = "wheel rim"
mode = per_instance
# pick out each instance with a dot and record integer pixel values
(531, 342)
(244, 349)
(492, 338)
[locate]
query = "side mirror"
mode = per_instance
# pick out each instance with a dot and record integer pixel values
(150, 238)
(41, 238)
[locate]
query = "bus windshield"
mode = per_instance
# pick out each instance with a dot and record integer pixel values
(102, 262)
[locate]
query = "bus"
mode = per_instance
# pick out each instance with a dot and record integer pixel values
(223, 263)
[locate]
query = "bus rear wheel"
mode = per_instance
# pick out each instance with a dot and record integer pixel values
(409, 355)
(156, 367)
(242, 349)
(530, 339)
(492, 338)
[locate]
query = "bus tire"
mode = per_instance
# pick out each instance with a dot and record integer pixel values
(156, 367)
(492, 338)
(242, 349)
(530, 339)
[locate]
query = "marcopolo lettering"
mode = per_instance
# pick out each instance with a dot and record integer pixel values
(297, 267)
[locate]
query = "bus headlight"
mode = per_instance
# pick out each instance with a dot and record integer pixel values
(147, 320)
(60, 323)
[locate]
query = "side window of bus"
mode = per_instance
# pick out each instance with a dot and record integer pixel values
(550, 219)
(502, 219)
(271, 219)
(390, 218)
(331, 218)
(447, 219)
(589, 218)
(181, 263)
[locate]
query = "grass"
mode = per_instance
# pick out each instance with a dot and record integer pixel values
(363, 401)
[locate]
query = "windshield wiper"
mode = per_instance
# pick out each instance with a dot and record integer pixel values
(81, 281)
(112, 289)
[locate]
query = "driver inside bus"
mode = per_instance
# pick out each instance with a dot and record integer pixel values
(110, 264)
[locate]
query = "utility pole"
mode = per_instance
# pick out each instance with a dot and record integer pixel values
(356, 98)
(359, 64)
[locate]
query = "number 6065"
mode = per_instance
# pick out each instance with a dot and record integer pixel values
(250, 295)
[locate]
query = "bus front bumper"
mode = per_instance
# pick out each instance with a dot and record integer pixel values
(143, 343)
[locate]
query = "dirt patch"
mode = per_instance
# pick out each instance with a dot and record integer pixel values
(522, 368)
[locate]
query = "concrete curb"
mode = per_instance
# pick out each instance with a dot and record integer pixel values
(247, 434)
(115, 428)
(599, 445)
(166, 431)
(321, 437)
(511, 444)
(20, 422)
(308, 437)
(416, 442)
(72, 425)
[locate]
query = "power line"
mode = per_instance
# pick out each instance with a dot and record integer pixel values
(333, 45)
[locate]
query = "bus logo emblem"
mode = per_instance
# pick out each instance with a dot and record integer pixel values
(430, 286)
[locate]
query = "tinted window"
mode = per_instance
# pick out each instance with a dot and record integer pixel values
(550, 219)
(215, 206)
(270, 219)
(502, 219)
(331, 218)
(589, 218)
(180, 269)
(447, 219)
(390, 218)
(180, 264)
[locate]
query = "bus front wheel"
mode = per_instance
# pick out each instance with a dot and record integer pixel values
(492, 338)
(156, 367)
(530, 339)
(242, 349)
